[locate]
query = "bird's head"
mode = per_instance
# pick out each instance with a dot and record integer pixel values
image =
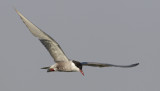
(78, 65)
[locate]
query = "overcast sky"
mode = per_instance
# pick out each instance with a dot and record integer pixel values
(107, 31)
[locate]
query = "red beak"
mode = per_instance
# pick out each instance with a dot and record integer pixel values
(82, 72)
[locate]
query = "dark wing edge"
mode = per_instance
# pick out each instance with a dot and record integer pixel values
(95, 64)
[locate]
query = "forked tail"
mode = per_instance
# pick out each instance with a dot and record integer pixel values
(45, 68)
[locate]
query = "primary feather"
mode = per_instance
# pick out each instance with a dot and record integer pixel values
(95, 64)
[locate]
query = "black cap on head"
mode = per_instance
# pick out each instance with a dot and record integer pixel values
(78, 64)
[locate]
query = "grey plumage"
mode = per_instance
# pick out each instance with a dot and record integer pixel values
(51, 45)
(95, 64)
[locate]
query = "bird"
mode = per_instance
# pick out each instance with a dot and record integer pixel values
(62, 63)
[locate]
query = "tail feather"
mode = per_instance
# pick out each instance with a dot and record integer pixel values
(45, 68)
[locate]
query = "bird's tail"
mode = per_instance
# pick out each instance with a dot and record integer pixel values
(45, 68)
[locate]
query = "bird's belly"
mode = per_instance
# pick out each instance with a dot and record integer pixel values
(67, 69)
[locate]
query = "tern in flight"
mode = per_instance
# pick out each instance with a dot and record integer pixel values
(62, 63)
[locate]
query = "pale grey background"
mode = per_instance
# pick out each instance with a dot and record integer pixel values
(111, 31)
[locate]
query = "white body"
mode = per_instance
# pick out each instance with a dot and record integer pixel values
(66, 66)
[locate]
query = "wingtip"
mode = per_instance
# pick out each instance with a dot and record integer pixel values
(17, 11)
(136, 64)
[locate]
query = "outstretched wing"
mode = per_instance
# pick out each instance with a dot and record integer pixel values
(95, 64)
(51, 45)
